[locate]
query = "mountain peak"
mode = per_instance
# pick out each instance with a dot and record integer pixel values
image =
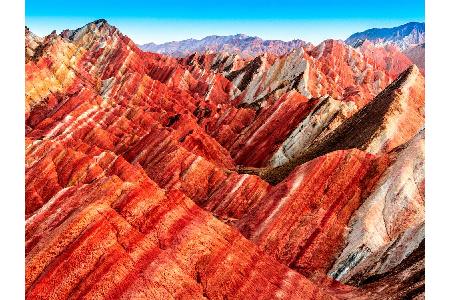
(100, 22)
(241, 36)
(99, 27)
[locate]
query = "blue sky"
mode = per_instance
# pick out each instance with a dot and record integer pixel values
(162, 21)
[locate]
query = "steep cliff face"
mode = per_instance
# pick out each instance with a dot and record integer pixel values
(212, 176)
(302, 220)
(325, 116)
(390, 223)
(392, 118)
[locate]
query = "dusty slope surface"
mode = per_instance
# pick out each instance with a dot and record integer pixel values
(417, 55)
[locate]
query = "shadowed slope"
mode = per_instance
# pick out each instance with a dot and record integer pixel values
(392, 118)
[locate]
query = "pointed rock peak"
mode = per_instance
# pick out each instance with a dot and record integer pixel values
(51, 37)
(329, 47)
(413, 69)
(408, 75)
(97, 23)
(99, 27)
(100, 22)
(296, 52)
(332, 42)
(30, 34)
(241, 36)
(362, 43)
(193, 57)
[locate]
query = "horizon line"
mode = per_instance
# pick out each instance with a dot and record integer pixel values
(197, 37)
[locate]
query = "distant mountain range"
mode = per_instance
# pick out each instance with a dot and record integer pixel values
(239, 43)
(409, 37)
(404, 36)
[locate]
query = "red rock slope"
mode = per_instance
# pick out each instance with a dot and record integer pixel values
(121, 236)
(136, 162)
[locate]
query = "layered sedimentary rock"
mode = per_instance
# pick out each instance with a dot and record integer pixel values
(365, 210)
(390, 223)
(137, 184)
(407, 279)
(121, 236)
(387, 57)
(258, 140)
(392, 118)
(352, 76)
(302, 220)
(332, 68)
(326, 116)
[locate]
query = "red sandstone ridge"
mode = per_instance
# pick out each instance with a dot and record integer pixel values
(294, 176)
(388, 57)
(121, 236)
(391, 119)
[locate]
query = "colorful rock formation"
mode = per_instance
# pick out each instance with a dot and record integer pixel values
(212, 176)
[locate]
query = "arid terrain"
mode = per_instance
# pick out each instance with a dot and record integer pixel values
(265, 171)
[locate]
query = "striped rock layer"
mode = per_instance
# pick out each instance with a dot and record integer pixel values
(216, 177)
